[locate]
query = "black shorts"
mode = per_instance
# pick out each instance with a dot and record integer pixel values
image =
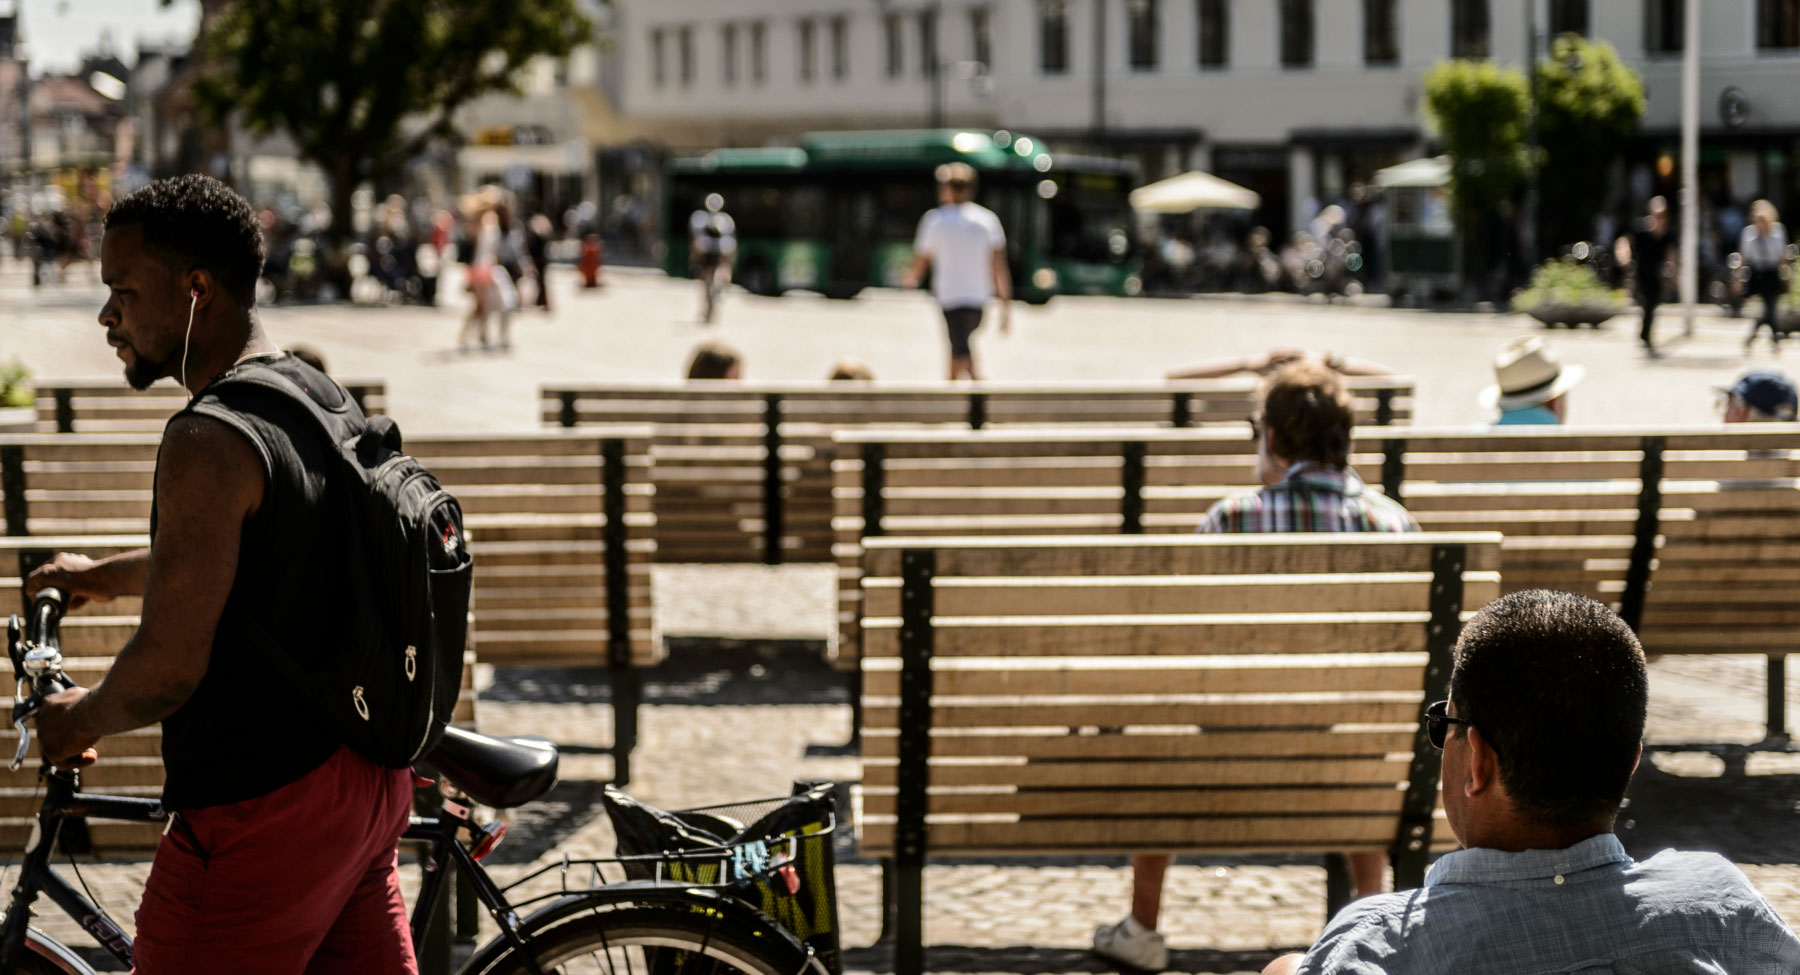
(962, 323)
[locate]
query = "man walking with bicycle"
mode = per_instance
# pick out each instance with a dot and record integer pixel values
(280, 855)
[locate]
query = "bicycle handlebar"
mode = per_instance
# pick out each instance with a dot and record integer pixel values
(36, 651)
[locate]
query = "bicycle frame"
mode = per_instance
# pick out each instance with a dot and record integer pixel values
(62, 801)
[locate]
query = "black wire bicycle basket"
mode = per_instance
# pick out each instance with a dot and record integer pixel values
(784, 843)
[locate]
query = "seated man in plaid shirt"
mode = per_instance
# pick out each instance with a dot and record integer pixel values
(1302, 459)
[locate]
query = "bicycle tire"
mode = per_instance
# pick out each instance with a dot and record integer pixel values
(650, 941)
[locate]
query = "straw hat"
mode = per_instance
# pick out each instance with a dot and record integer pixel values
(1528, 373)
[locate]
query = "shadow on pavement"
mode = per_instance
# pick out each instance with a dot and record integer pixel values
(1026, 959)
(1745, 818)
(699, 671)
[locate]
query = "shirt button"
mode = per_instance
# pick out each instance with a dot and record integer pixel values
(1559, 880)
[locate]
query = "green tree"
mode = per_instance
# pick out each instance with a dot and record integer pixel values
(1589, 103)
(363, 86)
(1480, 112)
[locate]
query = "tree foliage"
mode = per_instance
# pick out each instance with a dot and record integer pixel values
(1589, 103)
(1480, 112)
(363, 86)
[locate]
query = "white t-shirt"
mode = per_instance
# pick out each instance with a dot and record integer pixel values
(723, 236)
(960, 239)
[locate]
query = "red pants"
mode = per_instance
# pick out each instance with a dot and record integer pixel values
(301, 881)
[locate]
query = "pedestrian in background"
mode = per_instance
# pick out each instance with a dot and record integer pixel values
(537, 248)
(1764, 245)
(713, 238)
(1649, 252)
(964, 247)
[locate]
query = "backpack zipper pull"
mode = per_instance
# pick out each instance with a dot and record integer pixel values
(412, 663)
(362, 706)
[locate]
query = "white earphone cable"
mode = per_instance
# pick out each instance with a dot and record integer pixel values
(193, 300)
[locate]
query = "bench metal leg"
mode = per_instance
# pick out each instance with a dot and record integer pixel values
(889, 901)
(909, 932)
(1340, 885)
(626, 691)
(1777, 698)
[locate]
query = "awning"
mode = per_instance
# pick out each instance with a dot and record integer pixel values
(1415, 173)
(1193, 191)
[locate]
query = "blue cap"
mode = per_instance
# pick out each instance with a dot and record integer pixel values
(1769, 392)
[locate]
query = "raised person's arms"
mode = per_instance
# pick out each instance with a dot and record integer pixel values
(209, 479)
(86, 579)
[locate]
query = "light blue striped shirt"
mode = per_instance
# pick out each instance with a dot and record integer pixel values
(1586, 910)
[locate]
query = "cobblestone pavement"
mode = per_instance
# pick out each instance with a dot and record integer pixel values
(743, 707)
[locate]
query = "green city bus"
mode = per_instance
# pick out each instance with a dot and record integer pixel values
(837, 213)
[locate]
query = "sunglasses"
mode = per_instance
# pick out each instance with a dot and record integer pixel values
(1438, 721)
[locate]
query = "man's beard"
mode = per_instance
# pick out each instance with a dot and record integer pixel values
(143, 371)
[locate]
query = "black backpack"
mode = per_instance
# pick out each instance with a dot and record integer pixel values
(390, 690)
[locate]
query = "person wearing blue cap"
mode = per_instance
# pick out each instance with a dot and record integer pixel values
(1760, 397)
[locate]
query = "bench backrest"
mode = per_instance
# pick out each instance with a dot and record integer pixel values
(130, 764)
(554, 519)
(110, 406)
(1113, 694)
(1583, 510)
(744, 470)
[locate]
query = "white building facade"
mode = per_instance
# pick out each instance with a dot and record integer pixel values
(1298, 99)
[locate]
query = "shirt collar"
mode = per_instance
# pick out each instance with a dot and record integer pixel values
(1484, 866)
(1312, 474)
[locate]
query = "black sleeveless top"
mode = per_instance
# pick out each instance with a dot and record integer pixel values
(247, 731)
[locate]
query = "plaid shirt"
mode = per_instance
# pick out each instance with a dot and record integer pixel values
(1310, 498)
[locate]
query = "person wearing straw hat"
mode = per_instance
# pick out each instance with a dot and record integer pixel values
(1531, 384)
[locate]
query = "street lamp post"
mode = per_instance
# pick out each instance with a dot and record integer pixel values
(1531, 139)
(1690, 164)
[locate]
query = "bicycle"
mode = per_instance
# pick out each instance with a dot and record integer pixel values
(659, 925)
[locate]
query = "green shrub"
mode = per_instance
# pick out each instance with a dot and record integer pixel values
(1563, 283)
(15, 384)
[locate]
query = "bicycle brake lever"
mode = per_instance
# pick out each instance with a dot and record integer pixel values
(24, 731)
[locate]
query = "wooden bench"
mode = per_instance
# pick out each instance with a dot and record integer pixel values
(559, 524)
(1107, 694)
(110, 406)
(743, 471)
(1713, 512)
(130, 764)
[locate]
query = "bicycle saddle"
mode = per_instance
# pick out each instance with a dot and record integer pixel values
(497, 772)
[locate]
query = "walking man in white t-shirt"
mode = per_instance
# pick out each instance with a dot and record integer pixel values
(963, 245)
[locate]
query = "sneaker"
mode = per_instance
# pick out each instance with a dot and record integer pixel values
(1130, 943)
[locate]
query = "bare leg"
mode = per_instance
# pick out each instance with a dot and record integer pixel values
(1147, 872)
(962, 367)
(1369, 872)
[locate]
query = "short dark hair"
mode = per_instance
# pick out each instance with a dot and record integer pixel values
(712, 360)
(1309, 413)
(960, 177)
(195, 221)
(1557, 684)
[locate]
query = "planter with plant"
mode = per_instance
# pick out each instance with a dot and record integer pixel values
(17, 402)
(1564, 291)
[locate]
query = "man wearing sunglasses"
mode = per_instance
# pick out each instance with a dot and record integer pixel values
(1541, 735)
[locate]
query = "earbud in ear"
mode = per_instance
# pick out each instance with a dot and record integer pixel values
(195, 293)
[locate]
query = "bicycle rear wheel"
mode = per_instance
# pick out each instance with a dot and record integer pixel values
(651, 941)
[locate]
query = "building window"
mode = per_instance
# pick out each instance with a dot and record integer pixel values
(981, 36)
(1215, 33)
(659, 61)
(759, 50)
(840, 47)
(729, 47)
(1296, 33)
(1469, 29)
(808, 49)
(1053, 36)
(1381, 33)
(686, 52)
(1664, 26)
(928, 51)
(1569, 17)
(1777, 25)
(1141, 33)
(890, 29)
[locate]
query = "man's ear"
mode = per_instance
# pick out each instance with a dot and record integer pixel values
(1637, 759)
(202, 287)
(1483, 764)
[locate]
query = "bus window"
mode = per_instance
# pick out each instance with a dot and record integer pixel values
(1089, 218)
